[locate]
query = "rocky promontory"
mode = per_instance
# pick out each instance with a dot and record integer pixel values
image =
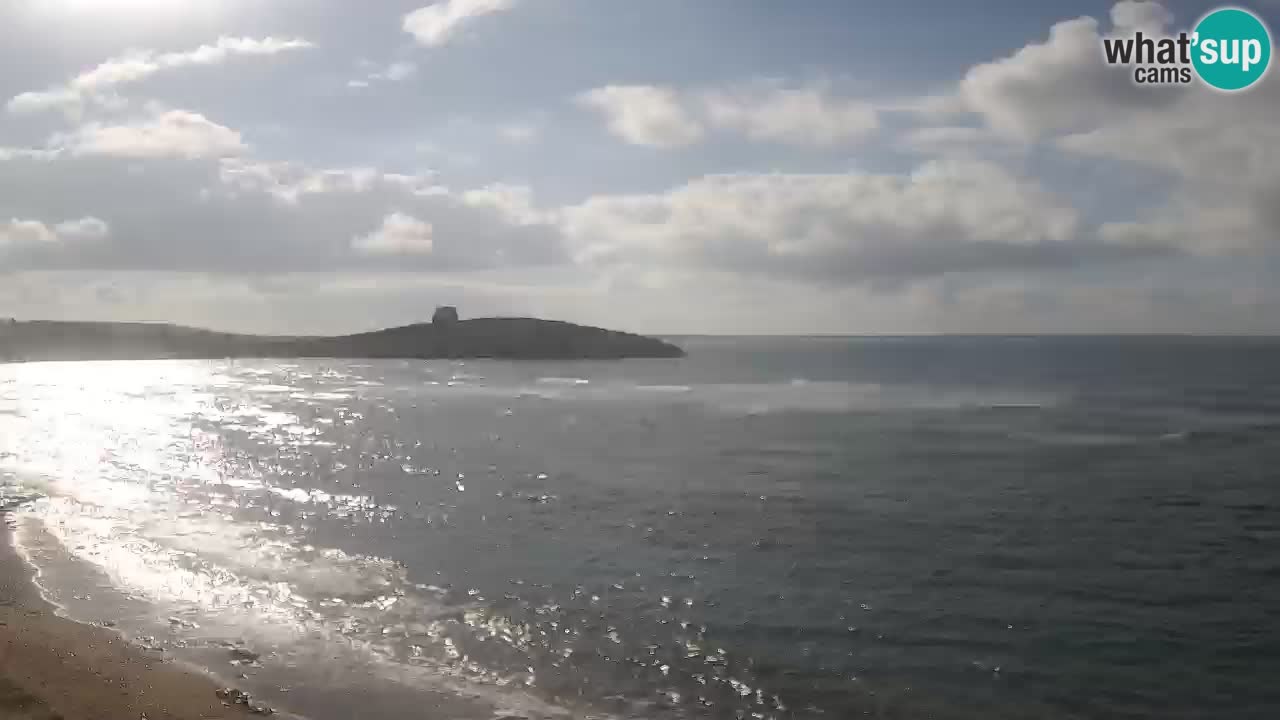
(445, 337)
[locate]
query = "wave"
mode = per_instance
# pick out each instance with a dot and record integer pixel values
(843, 397)
(269, 388)
(1078, 439)
(1225, 435)
(224, 583)
(796, 395)
(16, 494)
(118, 480)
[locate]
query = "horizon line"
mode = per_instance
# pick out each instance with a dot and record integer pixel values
(725, 335)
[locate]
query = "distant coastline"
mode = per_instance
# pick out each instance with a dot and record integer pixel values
(497, 338)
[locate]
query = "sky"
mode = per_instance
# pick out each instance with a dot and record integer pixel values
(668, 166)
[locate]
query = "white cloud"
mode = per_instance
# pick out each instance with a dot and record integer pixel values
(138, 65)
(240, 214)
(20, 153)
(1197, 227)
(1191, 140)
(29, 102)
(400, 234)
(1062, 85)
(395, 72)
(289, 183)
(763, 111)
(952, 140)
(1220, 156)
(86, 228)
(22, 232)
(17, 232)
(1057, 85)
(494, 226)
(797, 116)
(1150, 17)
(436, 24)
(964, 242)
(644, 115)
(947, 216)
(513, 202)
(171, 133)
(518, 133)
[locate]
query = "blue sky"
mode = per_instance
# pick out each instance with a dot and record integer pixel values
(667, 166)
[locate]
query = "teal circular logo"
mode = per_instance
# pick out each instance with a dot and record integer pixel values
(1231, 49)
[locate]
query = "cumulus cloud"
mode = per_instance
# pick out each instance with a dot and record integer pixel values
(1225, 184)
(941, 140)
(22, 153)
(394, 72)
(171, 213)
(1222, 159)
(23, 232)
(791, 115)
(947, 216)
(290, 182)
(400, 234)
(86, 228)
(1058, 85)
(513, 202)
(1145, 15)
(17, 233)
(439, 23)
(644, 115)
(973, 239)
(764, 111)
(171, 133)
(240, 214)
(138, 65)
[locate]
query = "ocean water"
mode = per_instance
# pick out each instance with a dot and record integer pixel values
(769, 528)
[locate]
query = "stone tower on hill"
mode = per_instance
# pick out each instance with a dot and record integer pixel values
(445, 315)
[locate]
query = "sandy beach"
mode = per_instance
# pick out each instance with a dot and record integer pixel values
(52, 667)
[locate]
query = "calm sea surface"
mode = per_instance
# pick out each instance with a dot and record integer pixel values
(769, 528)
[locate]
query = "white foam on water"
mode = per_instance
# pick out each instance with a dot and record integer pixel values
(664, 388)
(271, 388)
(139, 492)
(794, 395)
(801, 395)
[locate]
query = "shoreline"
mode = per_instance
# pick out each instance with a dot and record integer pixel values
(54, 668)
(90, 668)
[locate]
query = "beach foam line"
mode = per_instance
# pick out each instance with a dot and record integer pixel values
(52, 666)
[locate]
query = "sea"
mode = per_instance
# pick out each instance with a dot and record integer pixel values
(766, 529)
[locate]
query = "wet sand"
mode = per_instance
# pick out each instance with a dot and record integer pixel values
(52, 667)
